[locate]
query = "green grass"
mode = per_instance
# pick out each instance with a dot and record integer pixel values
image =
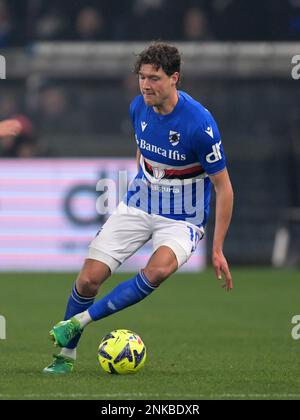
(202, 343)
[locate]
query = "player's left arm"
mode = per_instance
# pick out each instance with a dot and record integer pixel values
(138, 158)
(224, 206)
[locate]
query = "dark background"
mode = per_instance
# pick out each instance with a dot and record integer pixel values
(258, 116)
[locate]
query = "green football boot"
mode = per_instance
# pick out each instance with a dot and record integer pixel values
(63, 332)
(60, 365)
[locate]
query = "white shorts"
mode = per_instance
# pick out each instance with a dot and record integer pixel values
(129, 228)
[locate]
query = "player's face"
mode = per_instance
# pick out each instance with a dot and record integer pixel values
(155, 85)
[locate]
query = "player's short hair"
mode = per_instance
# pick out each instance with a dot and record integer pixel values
(160, 55)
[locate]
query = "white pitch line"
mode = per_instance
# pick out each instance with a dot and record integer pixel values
(146, 395)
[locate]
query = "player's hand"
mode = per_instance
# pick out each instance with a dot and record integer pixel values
(10, 128)
(221, 268)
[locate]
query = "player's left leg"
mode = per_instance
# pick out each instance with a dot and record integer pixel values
(161, 265)
(174, 243)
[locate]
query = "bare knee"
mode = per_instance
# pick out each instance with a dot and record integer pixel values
(161, 265)
(87, 286)
(156, 274)
(91, 277)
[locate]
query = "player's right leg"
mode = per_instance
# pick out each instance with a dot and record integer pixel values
(84, 290)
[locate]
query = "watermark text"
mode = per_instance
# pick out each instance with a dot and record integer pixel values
(2, 67)
(2, 327)
(296, 329)
(296, 67)
(167, 196)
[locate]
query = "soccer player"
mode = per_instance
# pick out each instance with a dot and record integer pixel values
(179, 155)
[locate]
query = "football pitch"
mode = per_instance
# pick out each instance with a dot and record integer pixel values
(202, 343)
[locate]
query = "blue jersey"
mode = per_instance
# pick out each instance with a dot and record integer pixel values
(178, 152)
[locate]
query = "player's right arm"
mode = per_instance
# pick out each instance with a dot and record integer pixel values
(10, 128)
(138, 158)
(132, 113)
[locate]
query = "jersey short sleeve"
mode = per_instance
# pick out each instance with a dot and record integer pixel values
(207, 144)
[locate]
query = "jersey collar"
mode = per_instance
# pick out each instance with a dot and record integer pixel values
(175, 111)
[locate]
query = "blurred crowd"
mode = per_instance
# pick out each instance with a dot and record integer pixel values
(17, 138)
(57, 111)
(23, 22)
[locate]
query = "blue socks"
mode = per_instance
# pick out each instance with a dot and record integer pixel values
(76, 304)
(125, 294)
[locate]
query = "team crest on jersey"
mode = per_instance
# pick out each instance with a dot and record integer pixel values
(174, 138)
(158, 173)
